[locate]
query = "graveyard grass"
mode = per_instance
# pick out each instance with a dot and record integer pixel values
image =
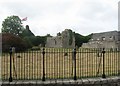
(29, 64)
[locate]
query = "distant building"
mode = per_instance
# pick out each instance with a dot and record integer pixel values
(65, 39)
(109, 39)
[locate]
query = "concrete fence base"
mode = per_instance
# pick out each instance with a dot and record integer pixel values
(81, 82)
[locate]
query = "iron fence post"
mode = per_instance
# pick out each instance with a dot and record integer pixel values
(10, 52)
(43, 52)
(74, 57)
(103, 75)
(119, 62)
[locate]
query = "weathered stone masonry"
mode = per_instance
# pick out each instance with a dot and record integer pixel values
(65, 40)
(109, 39)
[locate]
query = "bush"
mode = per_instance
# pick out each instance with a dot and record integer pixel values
(10, 40)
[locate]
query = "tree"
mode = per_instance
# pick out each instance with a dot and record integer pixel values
(13, 25)
(59, 34)
(10, 40)
(30, 40)
(36, 40)
(27, 32)
(48, 35)
(40, 40)
(80, 39)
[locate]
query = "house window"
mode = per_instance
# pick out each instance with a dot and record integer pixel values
(103, 38)
(92, 39)
(98, 39)
(111, 38)
(55, 41)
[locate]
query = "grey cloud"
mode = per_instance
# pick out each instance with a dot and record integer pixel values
(37, 9)
(92, 21)
(91, 16)
(92, 10)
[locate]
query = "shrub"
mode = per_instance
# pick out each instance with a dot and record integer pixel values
(10, 40)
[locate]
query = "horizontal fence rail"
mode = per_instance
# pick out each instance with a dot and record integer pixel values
(59, 63)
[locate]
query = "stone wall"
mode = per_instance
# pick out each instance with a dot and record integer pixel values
(80, 82)
(66, 39)
(62, 40)
(54, 41)
(104, 40)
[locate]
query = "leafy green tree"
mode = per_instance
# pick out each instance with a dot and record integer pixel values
(41, 40)
(48, 35)
(59, 34)
(13, 25)
(30, 40)
(36, 40)
(80, 39)
(27, 32)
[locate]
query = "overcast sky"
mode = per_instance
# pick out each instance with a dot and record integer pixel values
(53, 16)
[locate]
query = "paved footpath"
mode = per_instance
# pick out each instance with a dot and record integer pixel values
(112, 81)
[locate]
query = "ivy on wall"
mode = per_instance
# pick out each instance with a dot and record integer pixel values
(71, 37)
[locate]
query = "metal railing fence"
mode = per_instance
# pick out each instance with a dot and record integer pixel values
(60, 63)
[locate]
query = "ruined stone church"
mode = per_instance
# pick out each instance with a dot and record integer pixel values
(110, 39)
(66, 39)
